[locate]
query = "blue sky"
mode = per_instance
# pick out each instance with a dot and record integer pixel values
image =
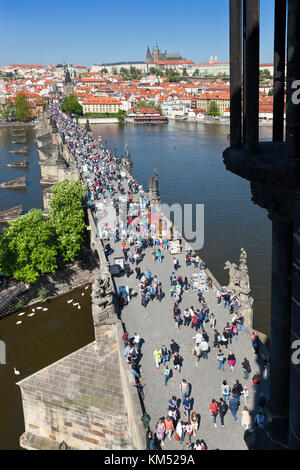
(84, 33)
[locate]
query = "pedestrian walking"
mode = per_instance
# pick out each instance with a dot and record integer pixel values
(195, 422)
(237, 389)
(197, 353)
(187, 403)
(246, 395)
(246, 418)
(167, 372)
(223, 407)
(169, 427)
(157, 354)
(175, 263)
(214, 411)
(220, 359)
(160, 431)
(184, 387)
(234, 404)
(136, 340)
(231, 360)
(177, 361)
(246, 368)
(165, 354)
(225, 389)
(204, 348)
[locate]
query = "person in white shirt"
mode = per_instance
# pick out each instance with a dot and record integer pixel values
(137, 340)
(198, 338)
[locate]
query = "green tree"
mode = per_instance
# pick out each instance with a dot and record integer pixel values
(67, 217)
(71, 105)
(6, 110)
(104, 70)
(28, 247)
(149, 104)
(196, 73)
(213, 109)
(22, 107)
(184, 73)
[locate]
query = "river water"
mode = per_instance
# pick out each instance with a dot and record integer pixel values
(188, 158)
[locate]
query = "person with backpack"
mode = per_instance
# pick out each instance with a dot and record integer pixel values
(237, 389)
(223, 407)
(228, 331)
(225, 389)
(220, 359)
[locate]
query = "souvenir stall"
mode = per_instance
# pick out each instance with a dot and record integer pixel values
(199, 282)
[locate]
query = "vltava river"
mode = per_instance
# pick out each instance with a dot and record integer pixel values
(188, 158)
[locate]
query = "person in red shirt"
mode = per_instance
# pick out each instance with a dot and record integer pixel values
(214, 407)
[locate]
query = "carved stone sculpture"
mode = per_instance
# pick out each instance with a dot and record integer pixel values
(103, 307)
(239, 283)
(128, 161)
(153, 189)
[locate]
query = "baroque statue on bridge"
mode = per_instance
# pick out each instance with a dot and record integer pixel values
(239, 283)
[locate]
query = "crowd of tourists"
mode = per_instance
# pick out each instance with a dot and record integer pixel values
(108, 183)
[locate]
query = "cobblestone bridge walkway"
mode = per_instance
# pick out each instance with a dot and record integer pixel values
(156, 326)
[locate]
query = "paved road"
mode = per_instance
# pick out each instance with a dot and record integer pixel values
(156, 326)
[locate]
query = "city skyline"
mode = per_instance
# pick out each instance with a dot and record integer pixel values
(106, 33)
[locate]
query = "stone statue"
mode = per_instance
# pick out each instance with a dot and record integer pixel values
(87, 126)
(233, 273)
(128, 161)
(153, 188)
(103, 308)
(54, 125)
(102, 286)
(240, 284)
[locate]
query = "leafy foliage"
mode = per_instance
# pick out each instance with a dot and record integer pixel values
(213, 109)
(28, 247)
(71, 105)
(22, 107)
(67, 217)
(149, 104)
(32, 245)
(6, 110)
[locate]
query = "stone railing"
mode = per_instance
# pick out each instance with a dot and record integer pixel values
(134, 409)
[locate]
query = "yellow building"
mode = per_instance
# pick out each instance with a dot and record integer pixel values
(101, 104)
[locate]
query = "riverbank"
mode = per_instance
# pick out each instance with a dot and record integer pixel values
(16, 124)
(50, 287)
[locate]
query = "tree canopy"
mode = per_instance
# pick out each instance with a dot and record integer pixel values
(213, 109)
(22, 107)
(71, 105)
(67, 216)
(33, 244)
(28, 247)
(6, 110)
(149, 104)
